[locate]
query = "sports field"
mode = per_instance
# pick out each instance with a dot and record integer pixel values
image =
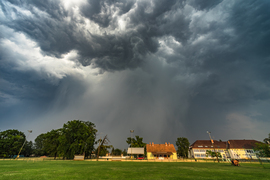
(59, 169)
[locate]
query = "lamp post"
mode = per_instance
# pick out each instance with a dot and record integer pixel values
(213, 144)
(131, 131)
(29, 131)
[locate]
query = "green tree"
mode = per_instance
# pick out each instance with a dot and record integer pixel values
(28, 149)
(213, 154)
(182, 144)
(137, 142)
(124, 152)
(10, 142)
(262, 149)
(78, 137)
(117, 152)
(51, 142)
(39, 149)
(267, 140)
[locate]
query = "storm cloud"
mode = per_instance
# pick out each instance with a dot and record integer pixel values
(166, 69)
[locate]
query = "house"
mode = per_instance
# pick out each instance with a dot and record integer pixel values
(242, 149)
(200, 147)
(161, 151)
(233, 149)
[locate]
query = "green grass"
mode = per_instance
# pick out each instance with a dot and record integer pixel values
(129, 170)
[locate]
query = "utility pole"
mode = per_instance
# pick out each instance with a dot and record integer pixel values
(131, 131)
(213, 145)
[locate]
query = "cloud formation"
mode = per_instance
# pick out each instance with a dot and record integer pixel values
(164, 68)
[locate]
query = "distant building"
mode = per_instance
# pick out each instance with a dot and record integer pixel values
(161, 151)
(135, 151)
(242, 149)
(198, 148)
(233, 149)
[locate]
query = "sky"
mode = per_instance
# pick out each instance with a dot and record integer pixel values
(163, 68)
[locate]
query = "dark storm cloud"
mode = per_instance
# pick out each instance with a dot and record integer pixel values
(108, 51)
(172, 68)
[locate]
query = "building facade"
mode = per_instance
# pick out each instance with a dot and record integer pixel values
(242, 149)
(231, 149)
(161, 151)
(200, 147)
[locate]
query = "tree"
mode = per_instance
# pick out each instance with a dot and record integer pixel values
(117, 152)
(267, 140)
(263, 149)
(213, 154)
(10, 142)
(39, 146)
(78, 137)
(137, 142)
(51, 142)
(182, 144)
(28, 149)
(124, 152)
(102, 149)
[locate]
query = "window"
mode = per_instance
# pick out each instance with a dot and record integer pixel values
(200, 146)
(196, 150)
(197, 155)
(249, 151)
(202, 150)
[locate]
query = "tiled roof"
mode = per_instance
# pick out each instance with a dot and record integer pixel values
(239, 144)
(207, 144)
(160, 148)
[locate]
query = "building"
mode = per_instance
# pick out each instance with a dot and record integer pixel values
(161, 151)
(135, 151)
(242, 149)
(232, 149)
(200, 147)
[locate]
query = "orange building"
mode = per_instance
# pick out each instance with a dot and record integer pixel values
(161, 151)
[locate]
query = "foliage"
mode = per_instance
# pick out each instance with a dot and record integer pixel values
(116, 152)
(39, 149)
(78, 137)
(267, 140)
(262, 149)
(182, 144)
(51, 142)
(10, 142)
(28, 149)
(104, 150)
(124, 152)
(213, 154)
(137, 142)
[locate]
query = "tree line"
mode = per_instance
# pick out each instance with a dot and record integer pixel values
(79, 137)
(75, 137)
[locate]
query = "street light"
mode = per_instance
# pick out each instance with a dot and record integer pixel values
(212, 144)
(131, 131)
(29, 131)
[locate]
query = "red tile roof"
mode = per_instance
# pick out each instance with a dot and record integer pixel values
(160, 148)
(239, 144)
(204, 144)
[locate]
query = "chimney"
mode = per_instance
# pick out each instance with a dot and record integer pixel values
(152, 143)
(169, 144)
(165, 143)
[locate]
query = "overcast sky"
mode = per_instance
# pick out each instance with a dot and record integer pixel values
(164, 68)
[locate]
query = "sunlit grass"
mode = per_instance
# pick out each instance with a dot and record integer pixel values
(130, 170)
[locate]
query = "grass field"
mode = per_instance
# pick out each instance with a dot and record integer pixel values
(129, 170)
